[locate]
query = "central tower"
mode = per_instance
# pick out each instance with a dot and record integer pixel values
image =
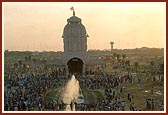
(75, 45)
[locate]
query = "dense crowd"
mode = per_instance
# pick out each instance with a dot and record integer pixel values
(26, 91)
(114, 96)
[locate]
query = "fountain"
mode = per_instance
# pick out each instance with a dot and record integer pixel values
(70, 93)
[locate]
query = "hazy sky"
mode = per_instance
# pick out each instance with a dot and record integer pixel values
(39, 26)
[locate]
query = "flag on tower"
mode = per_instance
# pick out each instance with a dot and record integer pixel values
(72, 8)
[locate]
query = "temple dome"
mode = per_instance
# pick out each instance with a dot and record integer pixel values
(74, 28)
(74, 19)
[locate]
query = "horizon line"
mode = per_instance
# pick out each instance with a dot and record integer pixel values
(87, 50)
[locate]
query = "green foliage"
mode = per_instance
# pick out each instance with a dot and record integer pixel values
(50, 96)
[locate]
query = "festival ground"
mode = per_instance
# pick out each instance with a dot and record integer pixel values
(140, 91)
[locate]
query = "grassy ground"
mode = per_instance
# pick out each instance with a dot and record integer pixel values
(52, 94)
(143, 91)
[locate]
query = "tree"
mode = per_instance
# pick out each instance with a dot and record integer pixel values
(127, 64)
(26, 58)
(161, 69)
(123, 60)
(24, 66)
(115, 55)
(136, 66)
(15, 65)
(123, 56)
(152, 66)
(118, 56)
(152, 63)
(161, 66)
(29, 58)
(20, 63)
(34, 60)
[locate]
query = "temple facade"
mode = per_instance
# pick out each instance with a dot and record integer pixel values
(75, 58)
(75, 45)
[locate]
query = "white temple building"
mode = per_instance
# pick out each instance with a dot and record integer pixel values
(75, 58)
(75, 45)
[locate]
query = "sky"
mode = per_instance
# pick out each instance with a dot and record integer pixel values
(39, 26)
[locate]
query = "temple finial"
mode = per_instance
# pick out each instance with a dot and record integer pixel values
(72, 8)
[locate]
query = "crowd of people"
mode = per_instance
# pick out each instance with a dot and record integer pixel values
(104, 81)
(151, 103)
(113, 94)
(26, 91)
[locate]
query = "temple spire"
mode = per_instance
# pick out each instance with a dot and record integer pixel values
(73, 13)
(72, 8)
